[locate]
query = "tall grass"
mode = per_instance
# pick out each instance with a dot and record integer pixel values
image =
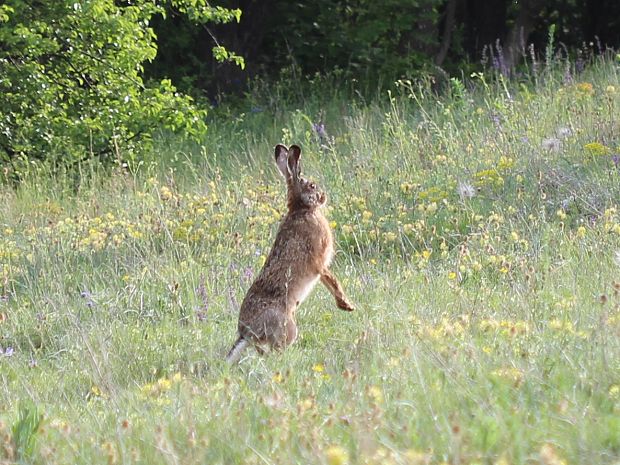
(478, 233)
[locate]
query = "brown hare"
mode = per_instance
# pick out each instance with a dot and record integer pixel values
(301, 254)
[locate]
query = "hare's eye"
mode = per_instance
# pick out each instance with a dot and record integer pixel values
(312, 185)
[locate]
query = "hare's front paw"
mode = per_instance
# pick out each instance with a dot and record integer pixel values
(345, 305)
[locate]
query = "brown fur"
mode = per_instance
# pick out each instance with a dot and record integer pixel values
(300, 257)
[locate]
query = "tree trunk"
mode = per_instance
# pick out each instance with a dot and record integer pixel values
(516, 39)
(447, 32)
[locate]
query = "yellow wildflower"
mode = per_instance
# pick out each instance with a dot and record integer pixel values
(389, 236)
(318, 368)
(375, 394)
(415, 457)
(165, 193)
(585, 88)
(336, 455)
(596, 149)
(509, 373)
(548, 456)
(407, 187)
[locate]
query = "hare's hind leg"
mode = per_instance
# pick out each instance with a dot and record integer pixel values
(291, 331)
(332, 284)
(280, 330)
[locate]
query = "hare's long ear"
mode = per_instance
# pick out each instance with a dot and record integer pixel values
(294, 153)
(282, 160)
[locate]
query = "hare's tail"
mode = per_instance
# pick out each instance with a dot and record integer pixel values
(237, 348)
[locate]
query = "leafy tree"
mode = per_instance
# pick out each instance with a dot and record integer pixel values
(362, 39)
(71, 78)
(369, 38)
(370, 41)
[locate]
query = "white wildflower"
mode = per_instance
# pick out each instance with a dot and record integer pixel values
(465, 190)
(564, 132)
(617, 257)
(551, 144)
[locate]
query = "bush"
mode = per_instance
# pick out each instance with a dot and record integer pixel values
(71, 85)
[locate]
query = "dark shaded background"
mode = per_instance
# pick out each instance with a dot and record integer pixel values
(372, 41)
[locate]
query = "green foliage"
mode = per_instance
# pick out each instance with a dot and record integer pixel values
(361, 40)
(221, 54)
(71, 84)
(25, 430)
(369, 39)
(549, 49)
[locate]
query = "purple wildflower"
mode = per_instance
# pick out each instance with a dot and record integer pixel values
(497, 120)
(248, 274)
(551, 144)
(86, 295)
(564, 132)
(580, 65)
(8, 352)
(503, 67)
(201, 290)
(465, 190)
(319, 129)
(232, 300)
(568, 77)
(495, 62)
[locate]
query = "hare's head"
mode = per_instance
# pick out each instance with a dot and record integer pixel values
(302, 193)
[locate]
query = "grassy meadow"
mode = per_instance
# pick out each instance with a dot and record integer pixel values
(478, 235)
